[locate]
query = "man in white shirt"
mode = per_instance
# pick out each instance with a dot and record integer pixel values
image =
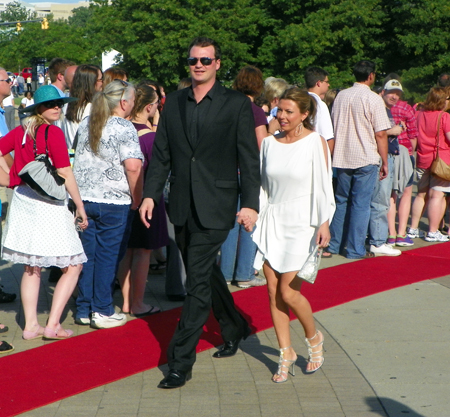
(317, 83)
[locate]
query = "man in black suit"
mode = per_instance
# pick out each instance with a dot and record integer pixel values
(205, 134)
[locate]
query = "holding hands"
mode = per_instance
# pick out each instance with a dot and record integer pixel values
(247, 217)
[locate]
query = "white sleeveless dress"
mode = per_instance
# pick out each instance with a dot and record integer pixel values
(296, 198)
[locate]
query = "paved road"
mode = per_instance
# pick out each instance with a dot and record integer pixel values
(386, 355)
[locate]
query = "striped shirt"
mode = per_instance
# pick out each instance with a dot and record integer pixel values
(358, 113)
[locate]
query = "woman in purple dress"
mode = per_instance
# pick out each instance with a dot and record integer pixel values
(133, 268)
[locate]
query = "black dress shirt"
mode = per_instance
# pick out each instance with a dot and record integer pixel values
(196, 113)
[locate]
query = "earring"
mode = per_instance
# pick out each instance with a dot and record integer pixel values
(299, 129)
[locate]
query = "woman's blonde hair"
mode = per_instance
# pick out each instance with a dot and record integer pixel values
(33, 122)
(103, 106)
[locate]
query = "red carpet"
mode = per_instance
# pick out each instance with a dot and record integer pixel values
(58, 370)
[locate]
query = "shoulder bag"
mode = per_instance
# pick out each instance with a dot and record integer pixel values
(439, 168)
(41, 175)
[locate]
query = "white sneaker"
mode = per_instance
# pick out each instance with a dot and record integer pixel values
(99, 321)
(258, 281)
(415, 233)
(385, 249)
(83, 321)
(436, 236)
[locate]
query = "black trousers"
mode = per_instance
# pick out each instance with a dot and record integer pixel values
(206, 287)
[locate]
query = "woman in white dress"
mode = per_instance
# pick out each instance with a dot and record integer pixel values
(297, 205)
(41, 233)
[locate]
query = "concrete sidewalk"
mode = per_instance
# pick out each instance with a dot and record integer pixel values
(386, 355)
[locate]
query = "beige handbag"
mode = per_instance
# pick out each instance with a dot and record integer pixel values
(439, 168)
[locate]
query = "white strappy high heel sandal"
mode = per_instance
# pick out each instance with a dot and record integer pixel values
(288, 365)
(315, 356)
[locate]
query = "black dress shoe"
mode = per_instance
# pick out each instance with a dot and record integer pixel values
(175, 379)
(230, 348)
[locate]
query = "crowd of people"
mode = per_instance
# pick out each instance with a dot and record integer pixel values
(245, 179)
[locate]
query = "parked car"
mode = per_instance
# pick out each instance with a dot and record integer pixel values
(26, 72)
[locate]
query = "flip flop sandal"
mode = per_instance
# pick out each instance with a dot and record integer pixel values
(5, 347)
(153, 310)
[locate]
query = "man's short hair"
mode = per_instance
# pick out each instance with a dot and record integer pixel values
(313, 75)
(204, 42)
(275, 88)
(444, 80)
(58, 66)
(363, 69)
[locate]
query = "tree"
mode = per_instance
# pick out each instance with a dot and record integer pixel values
(16, 11)
(154, 35)
(60, 40)
(418, 48)
(332, 34)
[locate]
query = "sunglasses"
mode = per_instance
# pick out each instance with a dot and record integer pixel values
(7, 80)
(54, 103)
(204, 61)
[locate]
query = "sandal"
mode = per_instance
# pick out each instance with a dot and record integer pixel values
(326, 255)
(290, 366)
(153, 310)
(317, 355)
(157, 268)
(50, 334)
(3, 329)
(29, 335)
(5, 347)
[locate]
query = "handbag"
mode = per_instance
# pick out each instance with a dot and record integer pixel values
(41, 175)
(311, 266)
(439, 168)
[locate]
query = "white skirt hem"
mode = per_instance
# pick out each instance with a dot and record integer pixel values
(43, 261)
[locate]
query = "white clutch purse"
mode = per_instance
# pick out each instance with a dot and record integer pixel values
(311, 266)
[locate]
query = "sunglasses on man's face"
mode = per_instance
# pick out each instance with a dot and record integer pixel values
(54, 103)
(204, 61)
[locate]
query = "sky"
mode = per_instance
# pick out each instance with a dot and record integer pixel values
(57, 1)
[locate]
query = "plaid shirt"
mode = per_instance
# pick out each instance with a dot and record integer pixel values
(358, 113)
(403, 112)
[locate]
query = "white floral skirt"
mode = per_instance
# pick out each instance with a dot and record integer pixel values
(40, 233)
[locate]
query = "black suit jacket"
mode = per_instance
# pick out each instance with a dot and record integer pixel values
(208, 172)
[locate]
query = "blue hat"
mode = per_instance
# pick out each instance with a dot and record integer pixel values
(44, 94)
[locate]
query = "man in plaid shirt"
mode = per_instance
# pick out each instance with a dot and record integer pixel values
(360, 123)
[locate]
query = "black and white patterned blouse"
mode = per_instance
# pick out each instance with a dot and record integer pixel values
(101, 178)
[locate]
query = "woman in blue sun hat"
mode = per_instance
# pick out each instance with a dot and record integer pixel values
(40, 233)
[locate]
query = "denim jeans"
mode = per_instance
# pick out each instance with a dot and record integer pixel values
(237, 254)
(353, 196)
(379, 207)
(101, 242)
